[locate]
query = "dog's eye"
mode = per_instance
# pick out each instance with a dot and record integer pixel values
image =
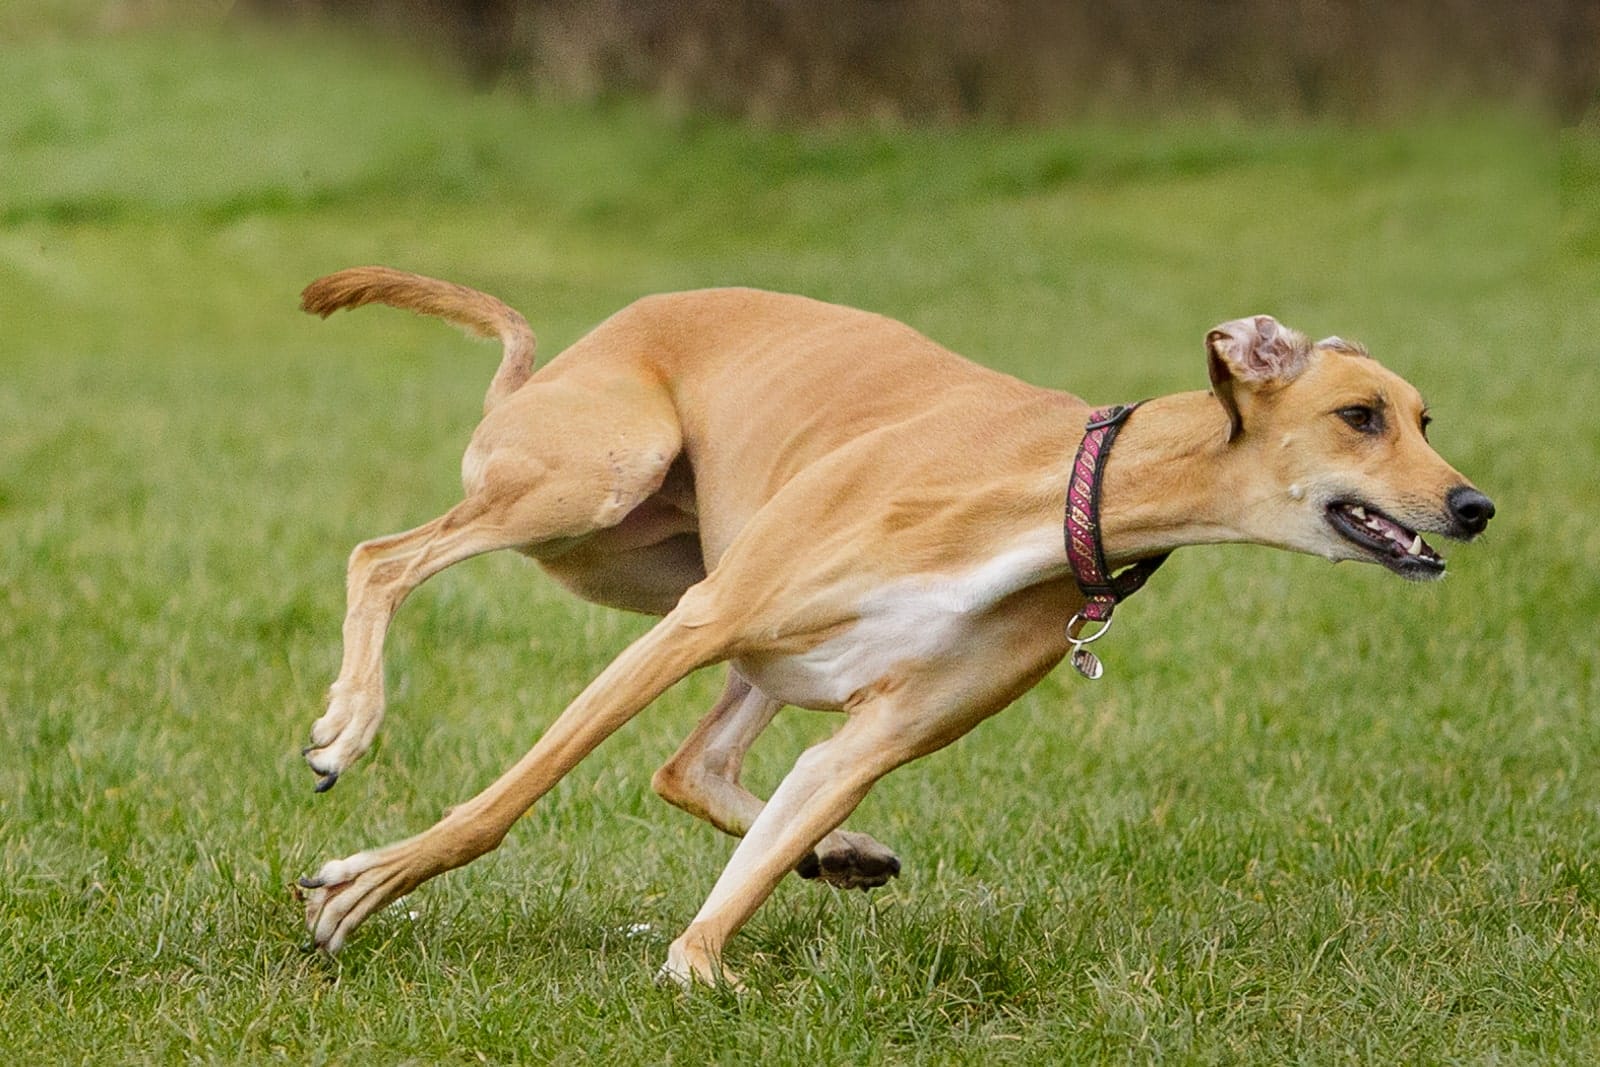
(1360, 417)
(1427, 420)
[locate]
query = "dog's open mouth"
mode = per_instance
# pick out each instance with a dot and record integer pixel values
(1400, 549)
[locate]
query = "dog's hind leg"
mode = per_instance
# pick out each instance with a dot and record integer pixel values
(344, 892)
(381, 573)
(549, 467)
(702, 778)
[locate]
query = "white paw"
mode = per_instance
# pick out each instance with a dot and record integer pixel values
(686, 968)
(344, 893)
(344, 733)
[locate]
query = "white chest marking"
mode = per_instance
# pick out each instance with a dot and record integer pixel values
(908, 620)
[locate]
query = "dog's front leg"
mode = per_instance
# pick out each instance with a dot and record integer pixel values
(702, 778)
(826, 784)
(917, 708)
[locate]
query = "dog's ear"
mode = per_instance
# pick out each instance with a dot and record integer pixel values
(1255, 351)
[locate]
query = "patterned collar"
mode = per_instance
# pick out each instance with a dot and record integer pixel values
(1101, 589)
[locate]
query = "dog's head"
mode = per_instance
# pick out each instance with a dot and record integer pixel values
(1339, 460)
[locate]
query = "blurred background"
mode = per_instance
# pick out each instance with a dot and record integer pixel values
(1311, 813)
(788, 61)
(1013, 60)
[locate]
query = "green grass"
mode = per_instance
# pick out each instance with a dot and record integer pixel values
(1312, 814)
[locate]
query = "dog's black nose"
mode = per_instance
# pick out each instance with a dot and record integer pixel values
(1470, 508)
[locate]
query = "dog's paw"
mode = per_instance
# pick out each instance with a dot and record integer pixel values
(850, 860)
(690, 964)
(344, 893)
(343, 734)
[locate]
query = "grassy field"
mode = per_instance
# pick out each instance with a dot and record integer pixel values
(1312, 814)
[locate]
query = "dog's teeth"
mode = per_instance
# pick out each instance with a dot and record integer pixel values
(1359, 512)
(1416, 546)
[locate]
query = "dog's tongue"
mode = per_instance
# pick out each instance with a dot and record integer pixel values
(1406, 542)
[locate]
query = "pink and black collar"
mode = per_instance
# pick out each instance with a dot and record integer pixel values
(1102, 590)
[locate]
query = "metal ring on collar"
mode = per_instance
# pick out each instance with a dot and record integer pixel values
(1078, 620)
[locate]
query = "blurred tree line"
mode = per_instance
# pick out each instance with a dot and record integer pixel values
(1016, 60)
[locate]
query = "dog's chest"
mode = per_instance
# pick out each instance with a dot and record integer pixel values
(905, 623)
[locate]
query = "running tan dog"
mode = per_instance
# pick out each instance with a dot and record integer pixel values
(852, 518)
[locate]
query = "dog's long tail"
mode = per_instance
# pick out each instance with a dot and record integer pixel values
(476, 312)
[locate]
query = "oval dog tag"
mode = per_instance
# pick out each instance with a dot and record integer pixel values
(1087, 663)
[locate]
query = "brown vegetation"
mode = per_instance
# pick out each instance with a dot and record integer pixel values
(1020, 60)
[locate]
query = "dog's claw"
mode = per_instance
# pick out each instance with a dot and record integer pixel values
(326, 782)
(344, 733)
(342, 894)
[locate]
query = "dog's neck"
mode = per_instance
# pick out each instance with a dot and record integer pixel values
(1171, 480)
